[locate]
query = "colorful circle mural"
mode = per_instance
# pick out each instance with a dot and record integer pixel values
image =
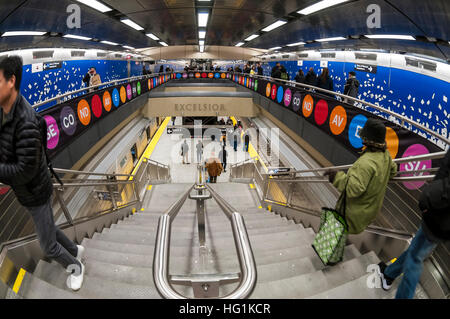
(308, 106)
(296, 101)
(392, 142)
(116, 97)
(84, 112)
(52, 132)
(123, 94)
(338, 120)
(68, 120)
(107, 103)
(274, 92)
(355, 127)
(129, 92)
(414, 150)
(321, 112)
(96, 105)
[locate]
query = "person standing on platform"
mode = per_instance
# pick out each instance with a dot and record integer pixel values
(325, 82)
(95, 78)
(185, 152)
(435, 228)
(223, 158)
(311, 77)
(246, 141)
(366, 181)
(300, 76)
(199, 149)
(23, 166)
(259, 69)
(214, 167)
(351, 87)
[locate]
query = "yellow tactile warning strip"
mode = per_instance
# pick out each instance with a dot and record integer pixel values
(252, 186)
(133, 210)
(19, 280)
(393, 260)
(149, 187)
(151, 146)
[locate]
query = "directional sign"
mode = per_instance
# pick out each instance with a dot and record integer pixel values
(366, 68)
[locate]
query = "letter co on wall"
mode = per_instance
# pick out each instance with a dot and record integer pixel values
(68, 120)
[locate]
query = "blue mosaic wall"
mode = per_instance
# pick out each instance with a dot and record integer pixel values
(40, 86)
(421, 98)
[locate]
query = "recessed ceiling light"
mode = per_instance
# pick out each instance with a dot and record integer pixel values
(239, 44)
(203, 19)
(275, 25)
(390, 36)
(96, 5)
(132, 24)
(78, 37)
(331, 39)
(163, 44)
(320, 6)
(151, 35)
(22, 33)
(201, 42)
(202, 48)
(253, 36)
(201, 34)
(296, 44)
(108, 42)
(274, 48)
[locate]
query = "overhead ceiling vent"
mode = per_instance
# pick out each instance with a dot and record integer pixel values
(366, 56)
(43, 54)
(273, 57)
(118, 55)
(285, 56)
(264, 59)
(101, 54)
(421, 64)
(77, 53)
(302, 55)
(328, 55)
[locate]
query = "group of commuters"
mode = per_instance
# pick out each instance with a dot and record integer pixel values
(363, 188)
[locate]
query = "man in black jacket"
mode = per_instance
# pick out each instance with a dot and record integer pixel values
(435, 205)
(23, 167)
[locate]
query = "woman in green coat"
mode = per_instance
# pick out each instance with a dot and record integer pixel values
(366, 181)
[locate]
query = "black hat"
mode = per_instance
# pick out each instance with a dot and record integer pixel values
(352, 73)
(374, 132)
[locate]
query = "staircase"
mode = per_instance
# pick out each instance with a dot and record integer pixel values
(119, 260)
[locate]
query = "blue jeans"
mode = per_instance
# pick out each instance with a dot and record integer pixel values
(410, 263)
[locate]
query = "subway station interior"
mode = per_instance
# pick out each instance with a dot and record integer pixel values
(141, 98)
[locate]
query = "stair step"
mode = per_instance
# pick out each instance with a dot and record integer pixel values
(257, 240)
(95, 287)
(35, 288)
(193, 231)
(310, 284)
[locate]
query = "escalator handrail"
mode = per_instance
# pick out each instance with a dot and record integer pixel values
(377, 107)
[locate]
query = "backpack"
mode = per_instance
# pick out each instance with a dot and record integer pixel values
(43, 131)
(284, 76)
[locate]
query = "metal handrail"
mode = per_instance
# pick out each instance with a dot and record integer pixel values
(379, 108)
(162, 247)
(75, 172)
(437, 155)
(59, 97)
(243, 247)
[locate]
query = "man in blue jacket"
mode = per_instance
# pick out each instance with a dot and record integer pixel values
(23, 167)
(435, 205)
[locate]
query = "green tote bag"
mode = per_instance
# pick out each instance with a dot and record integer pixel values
(329, 242)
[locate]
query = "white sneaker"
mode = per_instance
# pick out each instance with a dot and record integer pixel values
(74, 281)
(80, 252)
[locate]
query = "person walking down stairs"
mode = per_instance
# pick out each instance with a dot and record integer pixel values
(214, 167)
